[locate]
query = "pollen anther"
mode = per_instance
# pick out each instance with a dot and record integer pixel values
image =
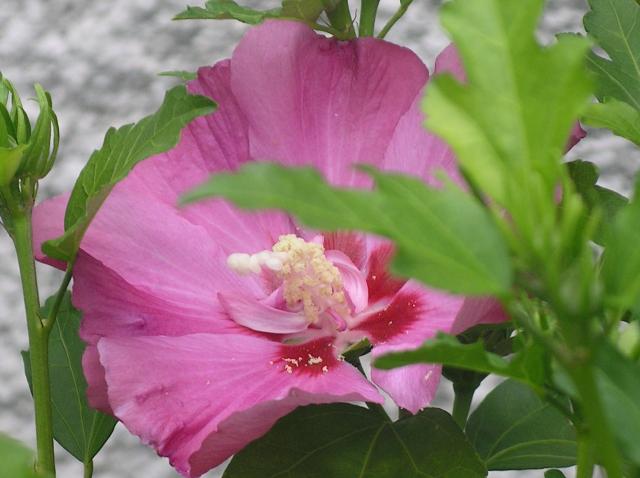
(245, 264)
(309, 278)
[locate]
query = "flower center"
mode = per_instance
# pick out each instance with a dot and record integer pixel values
(309, 279)
(310, 282)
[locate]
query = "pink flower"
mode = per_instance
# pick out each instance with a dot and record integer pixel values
(205, 325)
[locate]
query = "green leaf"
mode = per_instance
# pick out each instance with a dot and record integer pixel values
(619, 385)
(307, 10)
(17, 461)
(584, 176)
(78, 428)
(621, 260)
(513, 429)
(629, 341)
(444, 237)
(619, 117)
(508, 126)
(226, 10)
(614, 25)
(554, 474)
(447, 350)
(180, 74)
(123, 148)
(347, 441)
(302, 191)
(631, 471)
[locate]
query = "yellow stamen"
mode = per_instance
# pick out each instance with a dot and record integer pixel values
(309, 278)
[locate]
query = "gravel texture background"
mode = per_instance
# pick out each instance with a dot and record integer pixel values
(100, 61)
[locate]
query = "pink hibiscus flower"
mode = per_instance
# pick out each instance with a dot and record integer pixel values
(205, 325)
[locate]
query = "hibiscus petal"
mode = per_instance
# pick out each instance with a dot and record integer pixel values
(412, 387)
(414, 150)
(479, 310)
(577, 133)
(96, 381)
(381, 284)
(200, 398)
(314, 100)
(353, 244)
(150, 246)
(112, 307)
(48, 223)
(448, 61)
(208, 144)
(260, 317)
(353, 280)
(170, 175)
(414, 315)
(217, 142)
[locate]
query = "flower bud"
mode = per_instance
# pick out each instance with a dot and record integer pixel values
(26, 152)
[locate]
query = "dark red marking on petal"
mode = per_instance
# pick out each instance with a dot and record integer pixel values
(315, 357)
(395, 319)
(379, 280)
(351, 244)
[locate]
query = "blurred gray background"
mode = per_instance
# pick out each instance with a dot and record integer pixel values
(100, 62)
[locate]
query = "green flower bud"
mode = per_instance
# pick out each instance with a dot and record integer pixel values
(26, 152)
(10, 159)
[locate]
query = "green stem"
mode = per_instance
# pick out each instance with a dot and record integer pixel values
(404, 6)
(368, 12)
(88, 469)
(340, 19)
(38, 341)
(521, 318)
(586, 460)
(462, 403)
(550, 394)
(328, 29)
(598, 432)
